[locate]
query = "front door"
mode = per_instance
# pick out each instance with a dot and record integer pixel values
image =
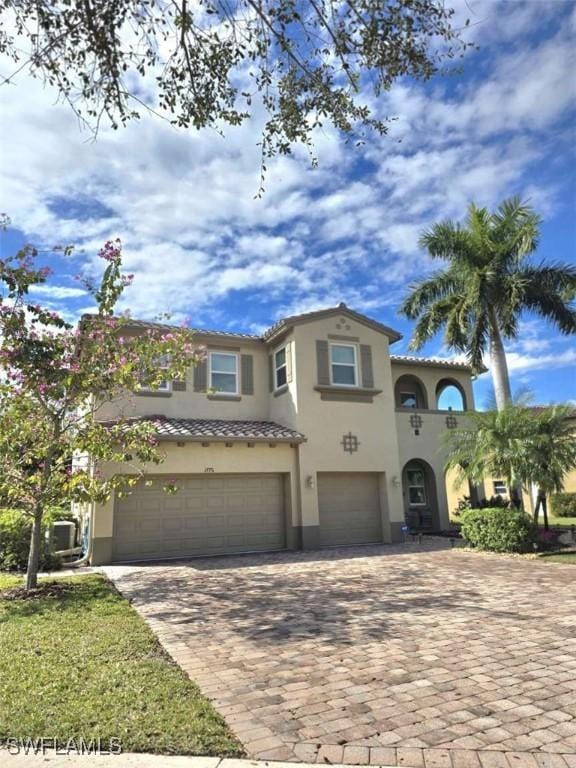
(418, 497)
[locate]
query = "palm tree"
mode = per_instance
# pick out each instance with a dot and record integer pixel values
(488, 445)
(547, 454)
(487, 284)
(526, 446)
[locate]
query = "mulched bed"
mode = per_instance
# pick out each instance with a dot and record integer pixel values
(46, 589)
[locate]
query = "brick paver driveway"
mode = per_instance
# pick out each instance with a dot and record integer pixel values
(411, 655)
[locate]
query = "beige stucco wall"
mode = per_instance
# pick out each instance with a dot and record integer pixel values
(386, 438)
(428, 445)
(199, 405)
(430, 377)
(325, 422)
(570, 482)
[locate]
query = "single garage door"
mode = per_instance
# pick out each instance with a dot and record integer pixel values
(209, 515)
(349, 508)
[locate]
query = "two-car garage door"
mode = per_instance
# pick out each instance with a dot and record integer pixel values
(209, 515)
(222, 514)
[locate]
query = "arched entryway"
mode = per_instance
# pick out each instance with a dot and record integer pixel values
(420, 496)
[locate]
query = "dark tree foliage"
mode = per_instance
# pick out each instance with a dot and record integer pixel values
(202, 63)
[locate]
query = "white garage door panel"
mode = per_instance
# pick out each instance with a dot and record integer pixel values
(209, 515)
(349, 508)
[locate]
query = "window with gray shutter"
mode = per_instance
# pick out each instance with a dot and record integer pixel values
(270, 373)
(323, 363)
(366, 365)
(247, 374)
(201, 376)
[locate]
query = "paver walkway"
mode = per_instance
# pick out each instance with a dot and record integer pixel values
(411, 655)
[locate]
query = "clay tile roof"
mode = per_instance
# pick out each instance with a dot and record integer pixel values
(431, 361)
(199, 331)
(223, 429)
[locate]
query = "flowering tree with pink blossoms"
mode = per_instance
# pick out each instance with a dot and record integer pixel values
(54, 377)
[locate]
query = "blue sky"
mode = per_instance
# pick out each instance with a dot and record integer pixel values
(203, 247)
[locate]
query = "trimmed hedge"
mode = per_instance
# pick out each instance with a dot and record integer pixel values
(563, 504)
(15, 532)
(499, 530)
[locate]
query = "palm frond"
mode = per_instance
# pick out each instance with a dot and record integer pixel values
(446, 240)
(425, 292)
(517, 227)
(432, 320)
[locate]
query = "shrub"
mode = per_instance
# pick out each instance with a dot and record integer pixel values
(563, 504)
(465, 503)
(499, 530)
(15, 531)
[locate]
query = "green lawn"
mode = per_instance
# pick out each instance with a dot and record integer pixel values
(563, 522)
(567, 556)
(85, 665)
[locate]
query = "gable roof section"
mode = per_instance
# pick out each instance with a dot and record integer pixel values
(288, 322)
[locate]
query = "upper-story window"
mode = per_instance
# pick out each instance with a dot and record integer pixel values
(224, 372)
(280, 368)
(146, 385)
(343, 364)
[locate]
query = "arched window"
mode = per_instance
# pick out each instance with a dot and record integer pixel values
(409, 392)
(450, 396)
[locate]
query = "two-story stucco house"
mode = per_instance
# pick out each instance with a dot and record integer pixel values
(312, 435)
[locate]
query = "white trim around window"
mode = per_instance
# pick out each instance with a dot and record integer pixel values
(416, 481)
(223, 375)
(500, 488)
(163, 386)
(344, 367)
(281, 368)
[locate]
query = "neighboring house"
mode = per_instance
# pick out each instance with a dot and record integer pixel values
(494, 486)
(311, 435)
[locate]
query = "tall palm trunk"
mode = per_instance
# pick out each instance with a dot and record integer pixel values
(500, 377)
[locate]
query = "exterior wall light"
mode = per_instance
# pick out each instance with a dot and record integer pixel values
(310, 482)
(396, 481)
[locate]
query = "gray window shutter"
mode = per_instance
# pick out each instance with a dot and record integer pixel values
(201, 376)
(366, 365)
(270, 373)
(323, 363)
(247, 374)
(289, 362)
(179, 386)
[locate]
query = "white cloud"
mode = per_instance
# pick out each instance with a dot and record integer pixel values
(518, 362)
(57, 291)
(183, 202)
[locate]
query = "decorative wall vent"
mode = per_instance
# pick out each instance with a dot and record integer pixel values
(451, 422)
(350, 443)
(342, 325)
(415, 420)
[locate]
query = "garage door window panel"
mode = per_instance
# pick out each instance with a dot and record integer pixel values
(224, 373)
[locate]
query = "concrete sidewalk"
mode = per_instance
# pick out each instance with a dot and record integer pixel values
(436, 758)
